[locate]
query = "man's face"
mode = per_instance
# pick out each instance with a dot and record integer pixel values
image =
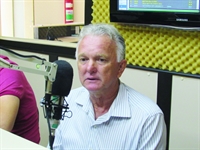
(97, 63)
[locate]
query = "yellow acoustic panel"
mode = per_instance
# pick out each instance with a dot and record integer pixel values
(161, 48)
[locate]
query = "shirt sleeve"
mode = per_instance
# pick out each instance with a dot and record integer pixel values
(153, 135)
(11, 82)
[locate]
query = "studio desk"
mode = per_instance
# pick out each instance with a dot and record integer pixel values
(10, 141)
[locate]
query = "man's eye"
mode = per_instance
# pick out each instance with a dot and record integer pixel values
(82, 59)
(102, 60)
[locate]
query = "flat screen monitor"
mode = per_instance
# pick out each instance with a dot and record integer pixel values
(174, 13)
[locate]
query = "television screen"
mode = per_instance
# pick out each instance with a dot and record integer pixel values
(176, 13)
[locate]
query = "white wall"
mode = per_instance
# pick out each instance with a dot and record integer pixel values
(142, 81)
(185, 114)
(19, 21)
(6, 21)
(53, 11)
(17, 18)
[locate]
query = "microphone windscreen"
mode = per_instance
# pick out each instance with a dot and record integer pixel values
(64, 77)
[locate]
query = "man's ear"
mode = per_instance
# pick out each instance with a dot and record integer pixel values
(122, 66)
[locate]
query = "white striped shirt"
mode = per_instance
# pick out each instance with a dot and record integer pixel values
(133, 122)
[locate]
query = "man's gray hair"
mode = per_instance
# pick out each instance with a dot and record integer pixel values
(104, 29)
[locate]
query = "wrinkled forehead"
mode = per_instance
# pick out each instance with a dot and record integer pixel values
(92, 41)
(102, 45)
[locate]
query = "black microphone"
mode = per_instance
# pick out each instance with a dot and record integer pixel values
(55, 101)
(64, 76)
(61, 87)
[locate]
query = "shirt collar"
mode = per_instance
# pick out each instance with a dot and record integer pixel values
(119, 108)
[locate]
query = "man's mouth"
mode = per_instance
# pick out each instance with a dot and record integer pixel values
(91, 79)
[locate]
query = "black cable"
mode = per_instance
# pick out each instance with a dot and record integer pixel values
(20, 55)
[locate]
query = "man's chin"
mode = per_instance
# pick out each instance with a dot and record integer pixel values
(92, 88)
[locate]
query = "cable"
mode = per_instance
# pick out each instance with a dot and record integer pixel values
(20, 55)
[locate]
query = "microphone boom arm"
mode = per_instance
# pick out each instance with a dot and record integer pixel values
(49, 72)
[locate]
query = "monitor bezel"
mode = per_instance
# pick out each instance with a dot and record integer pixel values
(154, 18)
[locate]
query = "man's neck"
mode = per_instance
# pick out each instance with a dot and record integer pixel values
(102, 103)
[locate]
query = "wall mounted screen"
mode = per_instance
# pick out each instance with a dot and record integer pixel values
(177, 13)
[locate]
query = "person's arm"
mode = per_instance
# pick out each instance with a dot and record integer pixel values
(9, 106)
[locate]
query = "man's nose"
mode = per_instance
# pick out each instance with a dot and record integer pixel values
(91, 66)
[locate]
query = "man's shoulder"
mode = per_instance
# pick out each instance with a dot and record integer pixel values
(141, 102)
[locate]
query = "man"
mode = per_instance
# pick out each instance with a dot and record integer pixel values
(107, 114)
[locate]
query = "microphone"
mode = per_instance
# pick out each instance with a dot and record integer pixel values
(61, 87)
(64, 76)
(54, 101)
